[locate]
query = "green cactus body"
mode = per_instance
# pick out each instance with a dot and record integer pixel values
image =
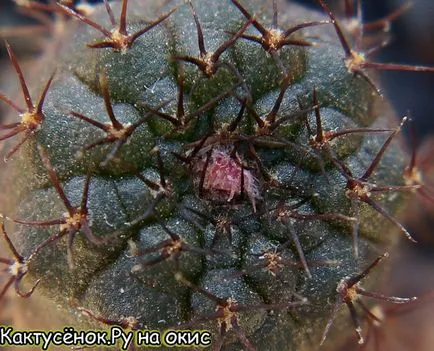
(229, 199)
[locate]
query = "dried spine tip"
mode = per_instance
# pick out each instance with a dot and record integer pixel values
(357, 61)
(17, 267)
(118, 38)
(32, 117)
(349, 292)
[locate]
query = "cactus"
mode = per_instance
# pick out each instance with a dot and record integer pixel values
(215, 165)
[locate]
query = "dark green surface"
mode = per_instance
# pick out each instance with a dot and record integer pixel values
(102, 279)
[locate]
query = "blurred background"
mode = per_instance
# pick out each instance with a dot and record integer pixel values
(412, 42)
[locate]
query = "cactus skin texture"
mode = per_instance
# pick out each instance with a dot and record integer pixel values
(234, 192)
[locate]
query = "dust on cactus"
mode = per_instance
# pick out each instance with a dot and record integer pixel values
(227, 165)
